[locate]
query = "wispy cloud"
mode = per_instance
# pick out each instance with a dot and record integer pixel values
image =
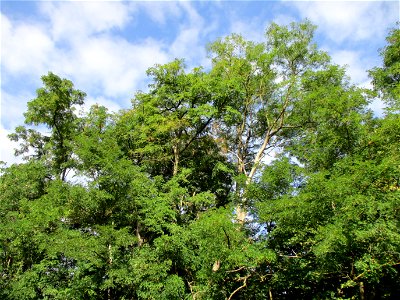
(12, 106)
(76, 40)
(26, 48)
(160, 12)
(189, 41)
(350, 20)
(351, 31)
(352, 60)
(67, 20)
(7, 147)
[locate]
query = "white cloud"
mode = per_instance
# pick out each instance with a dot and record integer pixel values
(12, 108)
(252, 31)
(349, 20)
(77, 45)
(346, 27)
(355, 66)
(71, 19)
(283, 19)
(111, 105)
(378, 107)
(113, 66)
(7, 147)
(255, 29)
(25, 48)
(186, 45)
(159, 12)
(189, 42)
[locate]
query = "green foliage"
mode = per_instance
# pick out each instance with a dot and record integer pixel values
(386, 79)
(144, 203)
(333, 112)
(54, 108)
(343, 225)
(167, 124)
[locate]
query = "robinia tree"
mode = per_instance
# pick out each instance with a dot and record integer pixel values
(176, 197)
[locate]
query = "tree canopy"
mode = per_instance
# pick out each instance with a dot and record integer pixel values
(176, 197)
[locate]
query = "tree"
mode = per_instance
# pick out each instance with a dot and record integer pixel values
(164, 123)
(337, 233)
(386, 79)
(333, 112)
(332, 220)
(148, 211)
(54, 108)
(167, 133)
(259, 89)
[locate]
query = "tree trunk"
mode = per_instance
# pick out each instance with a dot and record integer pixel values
(110, 261)
(176, 160)
(362, 291)
(240, 214)
(240, 210)
(139, 237)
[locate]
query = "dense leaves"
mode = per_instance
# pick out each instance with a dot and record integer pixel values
(174, 198)
(387, 78)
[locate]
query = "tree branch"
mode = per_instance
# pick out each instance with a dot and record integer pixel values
(240, 287)
(200, 130)
(236, 270)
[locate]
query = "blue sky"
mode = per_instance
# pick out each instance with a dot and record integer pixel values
(105, 47)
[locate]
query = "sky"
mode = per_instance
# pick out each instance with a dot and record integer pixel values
(105, 47)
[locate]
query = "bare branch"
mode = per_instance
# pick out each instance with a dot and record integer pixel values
(236, 270)
(240, 287)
